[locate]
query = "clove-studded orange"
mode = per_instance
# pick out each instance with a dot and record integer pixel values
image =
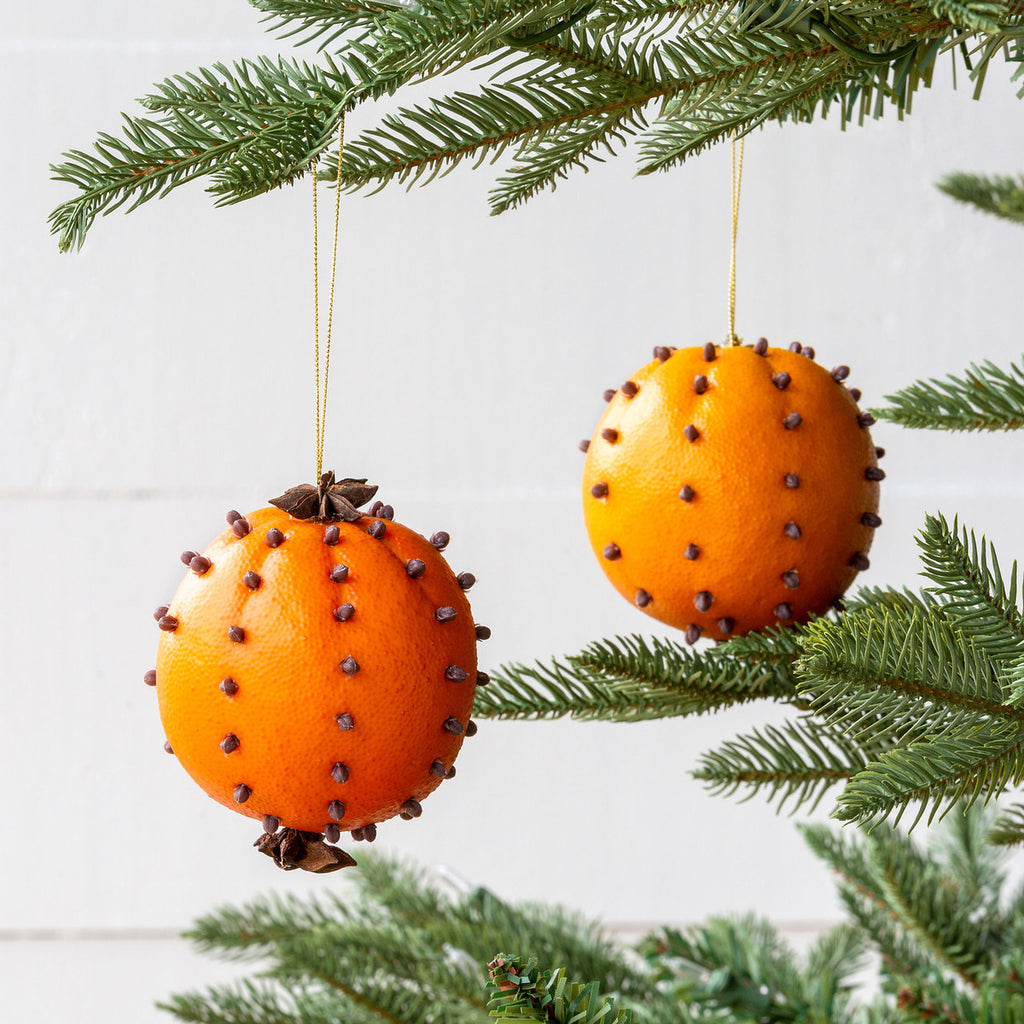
(727, 489)
(317, 665)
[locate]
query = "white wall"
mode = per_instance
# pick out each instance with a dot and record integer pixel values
(163, 376)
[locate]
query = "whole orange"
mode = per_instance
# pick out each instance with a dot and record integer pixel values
(729, 489)
(318, 675)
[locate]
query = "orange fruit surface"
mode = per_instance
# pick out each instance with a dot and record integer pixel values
(722, 497)
(255, 680)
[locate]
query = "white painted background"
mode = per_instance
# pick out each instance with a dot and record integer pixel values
(163, 376)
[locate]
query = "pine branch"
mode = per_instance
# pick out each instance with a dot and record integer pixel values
(321, 21)
(631, 679)
(932, 907)
(740, 969)
(543, 165)
(967, 578)
(798, 761)
(423, 141)
(581, 77)
(832, 961)
(436, 36)
(520, 990)
(917, 911)
(996, 194)
(964, 852)
(969, 763)
(251, 127)
(984, 398)
(1008, 828)
(896, 675)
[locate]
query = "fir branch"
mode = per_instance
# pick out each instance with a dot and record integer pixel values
(832, 960)
(520, 990)
(714, 67)
(984, 398)
(996, 194)
(710, 106)
(1008, 828)
(972, 762)
(900, 674)
(541, 166)
(798, 761)
(253, 127)
(740, 969)
(435, 36)
(321, 21)
(967, 578)
(932, 907)
(979, 15)
(423, 141)
(964, 853)
(917, 912)
(630, 679)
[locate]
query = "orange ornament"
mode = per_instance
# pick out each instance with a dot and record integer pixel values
(316, 670)
(730, 489)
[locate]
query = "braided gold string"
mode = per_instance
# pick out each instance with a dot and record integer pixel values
(736, 176)
(321, 393)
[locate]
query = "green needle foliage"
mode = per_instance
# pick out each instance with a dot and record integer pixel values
(984, 398)
(946, 931)
(400, 950)
(520, 990)
(907, 701)
(1000, 195)
(561, 84)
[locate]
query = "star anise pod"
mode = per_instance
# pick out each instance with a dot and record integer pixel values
(329, 501)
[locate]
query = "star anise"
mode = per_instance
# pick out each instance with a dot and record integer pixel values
(329, 501)
(310, 851)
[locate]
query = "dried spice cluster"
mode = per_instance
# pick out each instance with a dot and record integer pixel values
(318, 676)
(729, 489)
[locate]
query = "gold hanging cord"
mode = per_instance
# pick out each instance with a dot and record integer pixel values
(736, 176)
(321, 393)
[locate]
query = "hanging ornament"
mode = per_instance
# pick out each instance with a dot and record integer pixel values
(730, 488)
(316, 669)
(317, 665)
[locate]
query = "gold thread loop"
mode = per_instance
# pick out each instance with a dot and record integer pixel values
(735, 178)
(321, 393)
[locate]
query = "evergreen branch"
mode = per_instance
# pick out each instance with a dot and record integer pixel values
(321, 21)
(967, 577)
(918, 914)
(799, 760)
(973, 762)
(1008, 828)
(424, 141)
(520, 990)
(254, 127)
(611, 56)
(897, 674)
(252, 931)
(979, 15)
(545, 164)
(631, 679)
(436, 36)
(259, 1003)
(479, 923)
(985, 398)
(832, 960)
(729, 968)
(932, 907)
(711, 106)
(996, 194)
(964, 853)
